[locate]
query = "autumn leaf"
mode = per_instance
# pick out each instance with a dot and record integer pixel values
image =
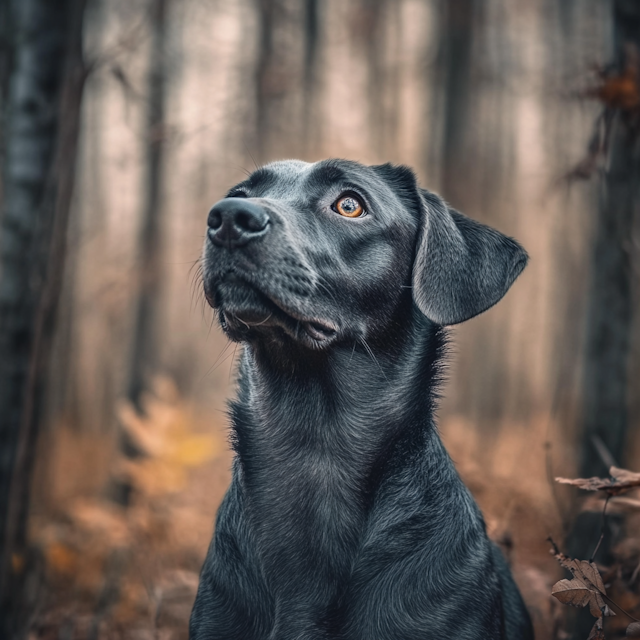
(621, 480)
(164, 435)
(61, 559)
(620, 89)
(577, 594)
(597, 633)
(585, 589)
(17, 563)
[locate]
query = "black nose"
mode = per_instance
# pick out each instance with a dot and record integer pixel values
(235, 221)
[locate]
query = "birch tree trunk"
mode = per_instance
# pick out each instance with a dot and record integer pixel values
(42, 114)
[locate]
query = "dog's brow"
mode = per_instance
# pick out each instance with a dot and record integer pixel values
(261, 178)
(326, 175)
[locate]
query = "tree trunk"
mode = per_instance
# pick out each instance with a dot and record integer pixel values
(459, 18)
(609, 310)
(144, 352)
(42, 124)
(270, 75)
(609, 315)
(311, 39)
(281, 90)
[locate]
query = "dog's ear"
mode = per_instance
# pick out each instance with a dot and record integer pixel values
(461, 267)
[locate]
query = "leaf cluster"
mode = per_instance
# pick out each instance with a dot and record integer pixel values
(586, 588)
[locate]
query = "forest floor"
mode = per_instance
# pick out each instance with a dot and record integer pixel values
(110, 572)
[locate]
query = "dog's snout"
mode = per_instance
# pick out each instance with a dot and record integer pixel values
(233, 222)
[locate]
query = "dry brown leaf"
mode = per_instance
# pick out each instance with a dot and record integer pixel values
(621, 480)
(170, 446)
(102, 519)
(617, 504)
(620, 90)
(633, 630)
(586, 587)
(627, 502)
(577, 594)
(597, 632)
(61, 559)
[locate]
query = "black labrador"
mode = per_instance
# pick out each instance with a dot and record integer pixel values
(345, 518)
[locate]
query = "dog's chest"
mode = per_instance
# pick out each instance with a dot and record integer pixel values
(304, 476)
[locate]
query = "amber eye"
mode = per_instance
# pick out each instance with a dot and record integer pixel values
(348, 206)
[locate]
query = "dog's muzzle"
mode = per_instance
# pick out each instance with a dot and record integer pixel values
(234, 222)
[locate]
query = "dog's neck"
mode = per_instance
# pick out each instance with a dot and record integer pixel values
(316, 439)
(345, 402)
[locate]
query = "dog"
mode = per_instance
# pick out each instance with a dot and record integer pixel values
(345, 518)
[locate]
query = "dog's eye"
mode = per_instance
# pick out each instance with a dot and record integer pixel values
(237, 194)
(348, 206)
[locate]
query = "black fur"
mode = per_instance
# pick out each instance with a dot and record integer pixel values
(346, 519)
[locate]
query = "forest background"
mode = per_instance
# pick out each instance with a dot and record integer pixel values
(123, 121)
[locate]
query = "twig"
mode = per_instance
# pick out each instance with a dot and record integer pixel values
(551, 541)
(604, 522)
(604, 453)
(617, 606)
(552, 484)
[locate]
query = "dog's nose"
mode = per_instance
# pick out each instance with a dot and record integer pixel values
(233, 222)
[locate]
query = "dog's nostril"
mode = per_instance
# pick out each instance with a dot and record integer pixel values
(249, 221)
(215, 219)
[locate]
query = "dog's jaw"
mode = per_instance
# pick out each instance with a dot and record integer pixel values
(249, 314)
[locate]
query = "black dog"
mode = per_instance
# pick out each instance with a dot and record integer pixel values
(345, 518)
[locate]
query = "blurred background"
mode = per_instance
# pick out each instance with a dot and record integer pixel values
(124, 120)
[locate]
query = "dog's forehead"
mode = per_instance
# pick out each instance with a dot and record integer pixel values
(294, 178)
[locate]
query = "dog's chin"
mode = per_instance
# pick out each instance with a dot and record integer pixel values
(248, 315)
(243, 326)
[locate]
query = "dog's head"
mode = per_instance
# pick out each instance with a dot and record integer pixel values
(326, 252)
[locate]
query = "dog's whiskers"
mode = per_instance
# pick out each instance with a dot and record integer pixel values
(327, 290)
(219, 360)
(353, 350)
(373, 357)
(255, 324)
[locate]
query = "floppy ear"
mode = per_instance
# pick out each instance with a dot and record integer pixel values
(461, 267)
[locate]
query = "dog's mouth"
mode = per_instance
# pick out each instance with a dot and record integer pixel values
(313, 329)
(318, 331)
(246, 311)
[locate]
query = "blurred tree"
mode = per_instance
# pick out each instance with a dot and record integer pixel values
(466, 177)
(42, 115)
(610, 304)
(272, 77)
(369, 21)
(609, 314)
(144, 351)
(459, 19)
(287, 49)
(311, 40)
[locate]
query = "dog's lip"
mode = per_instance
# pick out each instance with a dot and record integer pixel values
(318, 330)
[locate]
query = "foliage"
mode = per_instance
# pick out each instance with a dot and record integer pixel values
(130, 571)
(587, 586)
